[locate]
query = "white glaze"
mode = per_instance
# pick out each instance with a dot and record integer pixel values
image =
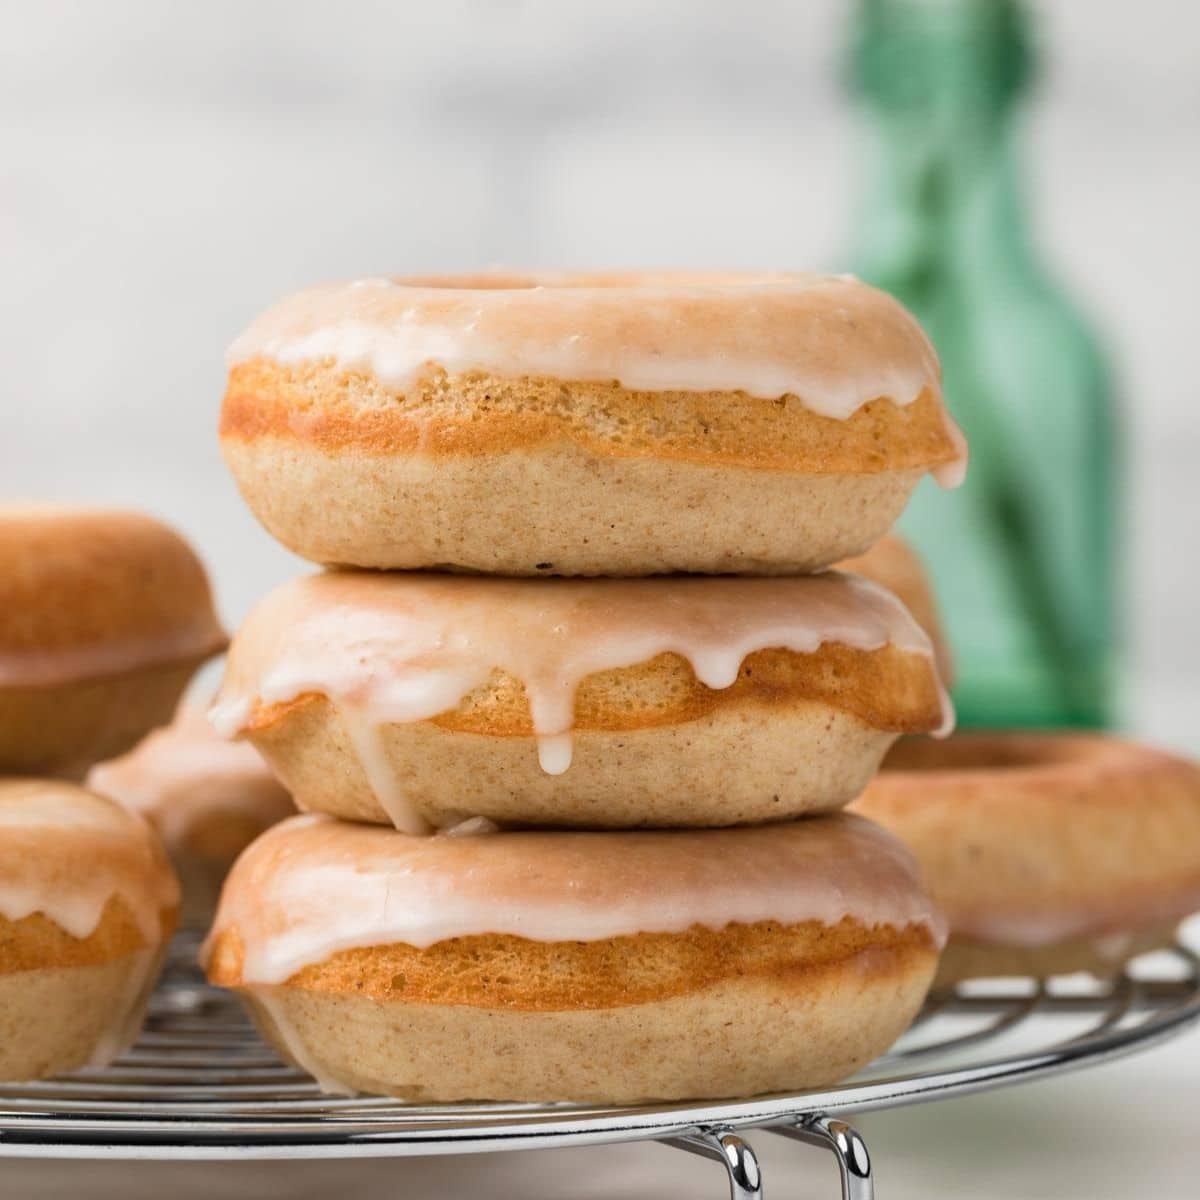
(313, 886)
(403, 648)
(183, 775)
(950, 475)
(65, 853)
(470, 827)
(830, 341)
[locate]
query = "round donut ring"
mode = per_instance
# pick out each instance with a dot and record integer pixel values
(574, 966)
(585, 424)
(1048, 853)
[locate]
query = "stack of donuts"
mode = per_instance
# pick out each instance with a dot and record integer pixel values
(104, 616)
(609, 631)
(574, 706)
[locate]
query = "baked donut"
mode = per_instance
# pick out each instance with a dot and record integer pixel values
(894, 564)
(104, 616)
(425, 700)
(599, 424)
(1048, 853)
(207, 798)
(606, 967)
(87, 904)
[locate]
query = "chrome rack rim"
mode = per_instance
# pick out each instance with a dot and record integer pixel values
(188, 1092)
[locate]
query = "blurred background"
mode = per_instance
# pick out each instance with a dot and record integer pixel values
(1031, 188)
(167, 170)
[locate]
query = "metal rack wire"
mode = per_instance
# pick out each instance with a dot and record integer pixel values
(200, 1084)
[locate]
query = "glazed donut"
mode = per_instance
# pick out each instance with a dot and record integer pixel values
(104, 616)
(606, 967)
(1048, 853)
(87, 904)
(894, 564)
(427, 700)
(207, 799)
(585, 424)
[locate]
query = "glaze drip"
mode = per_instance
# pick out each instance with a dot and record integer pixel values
(66, 853)
(404, 648)
(183, 775)
(833, 343)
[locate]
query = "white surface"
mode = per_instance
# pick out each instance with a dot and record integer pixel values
(168, 170)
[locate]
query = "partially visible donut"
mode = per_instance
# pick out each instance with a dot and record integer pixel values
(206, 797)
(603, 966)
(1048, 853)
(88, 902)
(585, 424)
(104, 617)
(894, 564)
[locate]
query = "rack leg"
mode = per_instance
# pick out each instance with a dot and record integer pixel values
(740, 1162)
(854, 1163)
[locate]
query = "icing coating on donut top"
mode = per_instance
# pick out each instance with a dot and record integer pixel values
(830, 341)
(314, 886)
(402, 648)
(180, 775)
(66, 853)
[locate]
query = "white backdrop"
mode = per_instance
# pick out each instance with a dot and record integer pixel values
(166, 170)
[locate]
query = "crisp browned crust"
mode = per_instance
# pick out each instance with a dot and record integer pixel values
(36, 942)
(338, 411)
(501, 971)
(888, 689)
(795, 734)
(562, 469)
(742, 1036)
(736, 766)
(74, 579)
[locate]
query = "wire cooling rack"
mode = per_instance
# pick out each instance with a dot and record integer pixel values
(200, 1084)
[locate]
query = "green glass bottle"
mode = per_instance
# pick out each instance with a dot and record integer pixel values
(1022, 555)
